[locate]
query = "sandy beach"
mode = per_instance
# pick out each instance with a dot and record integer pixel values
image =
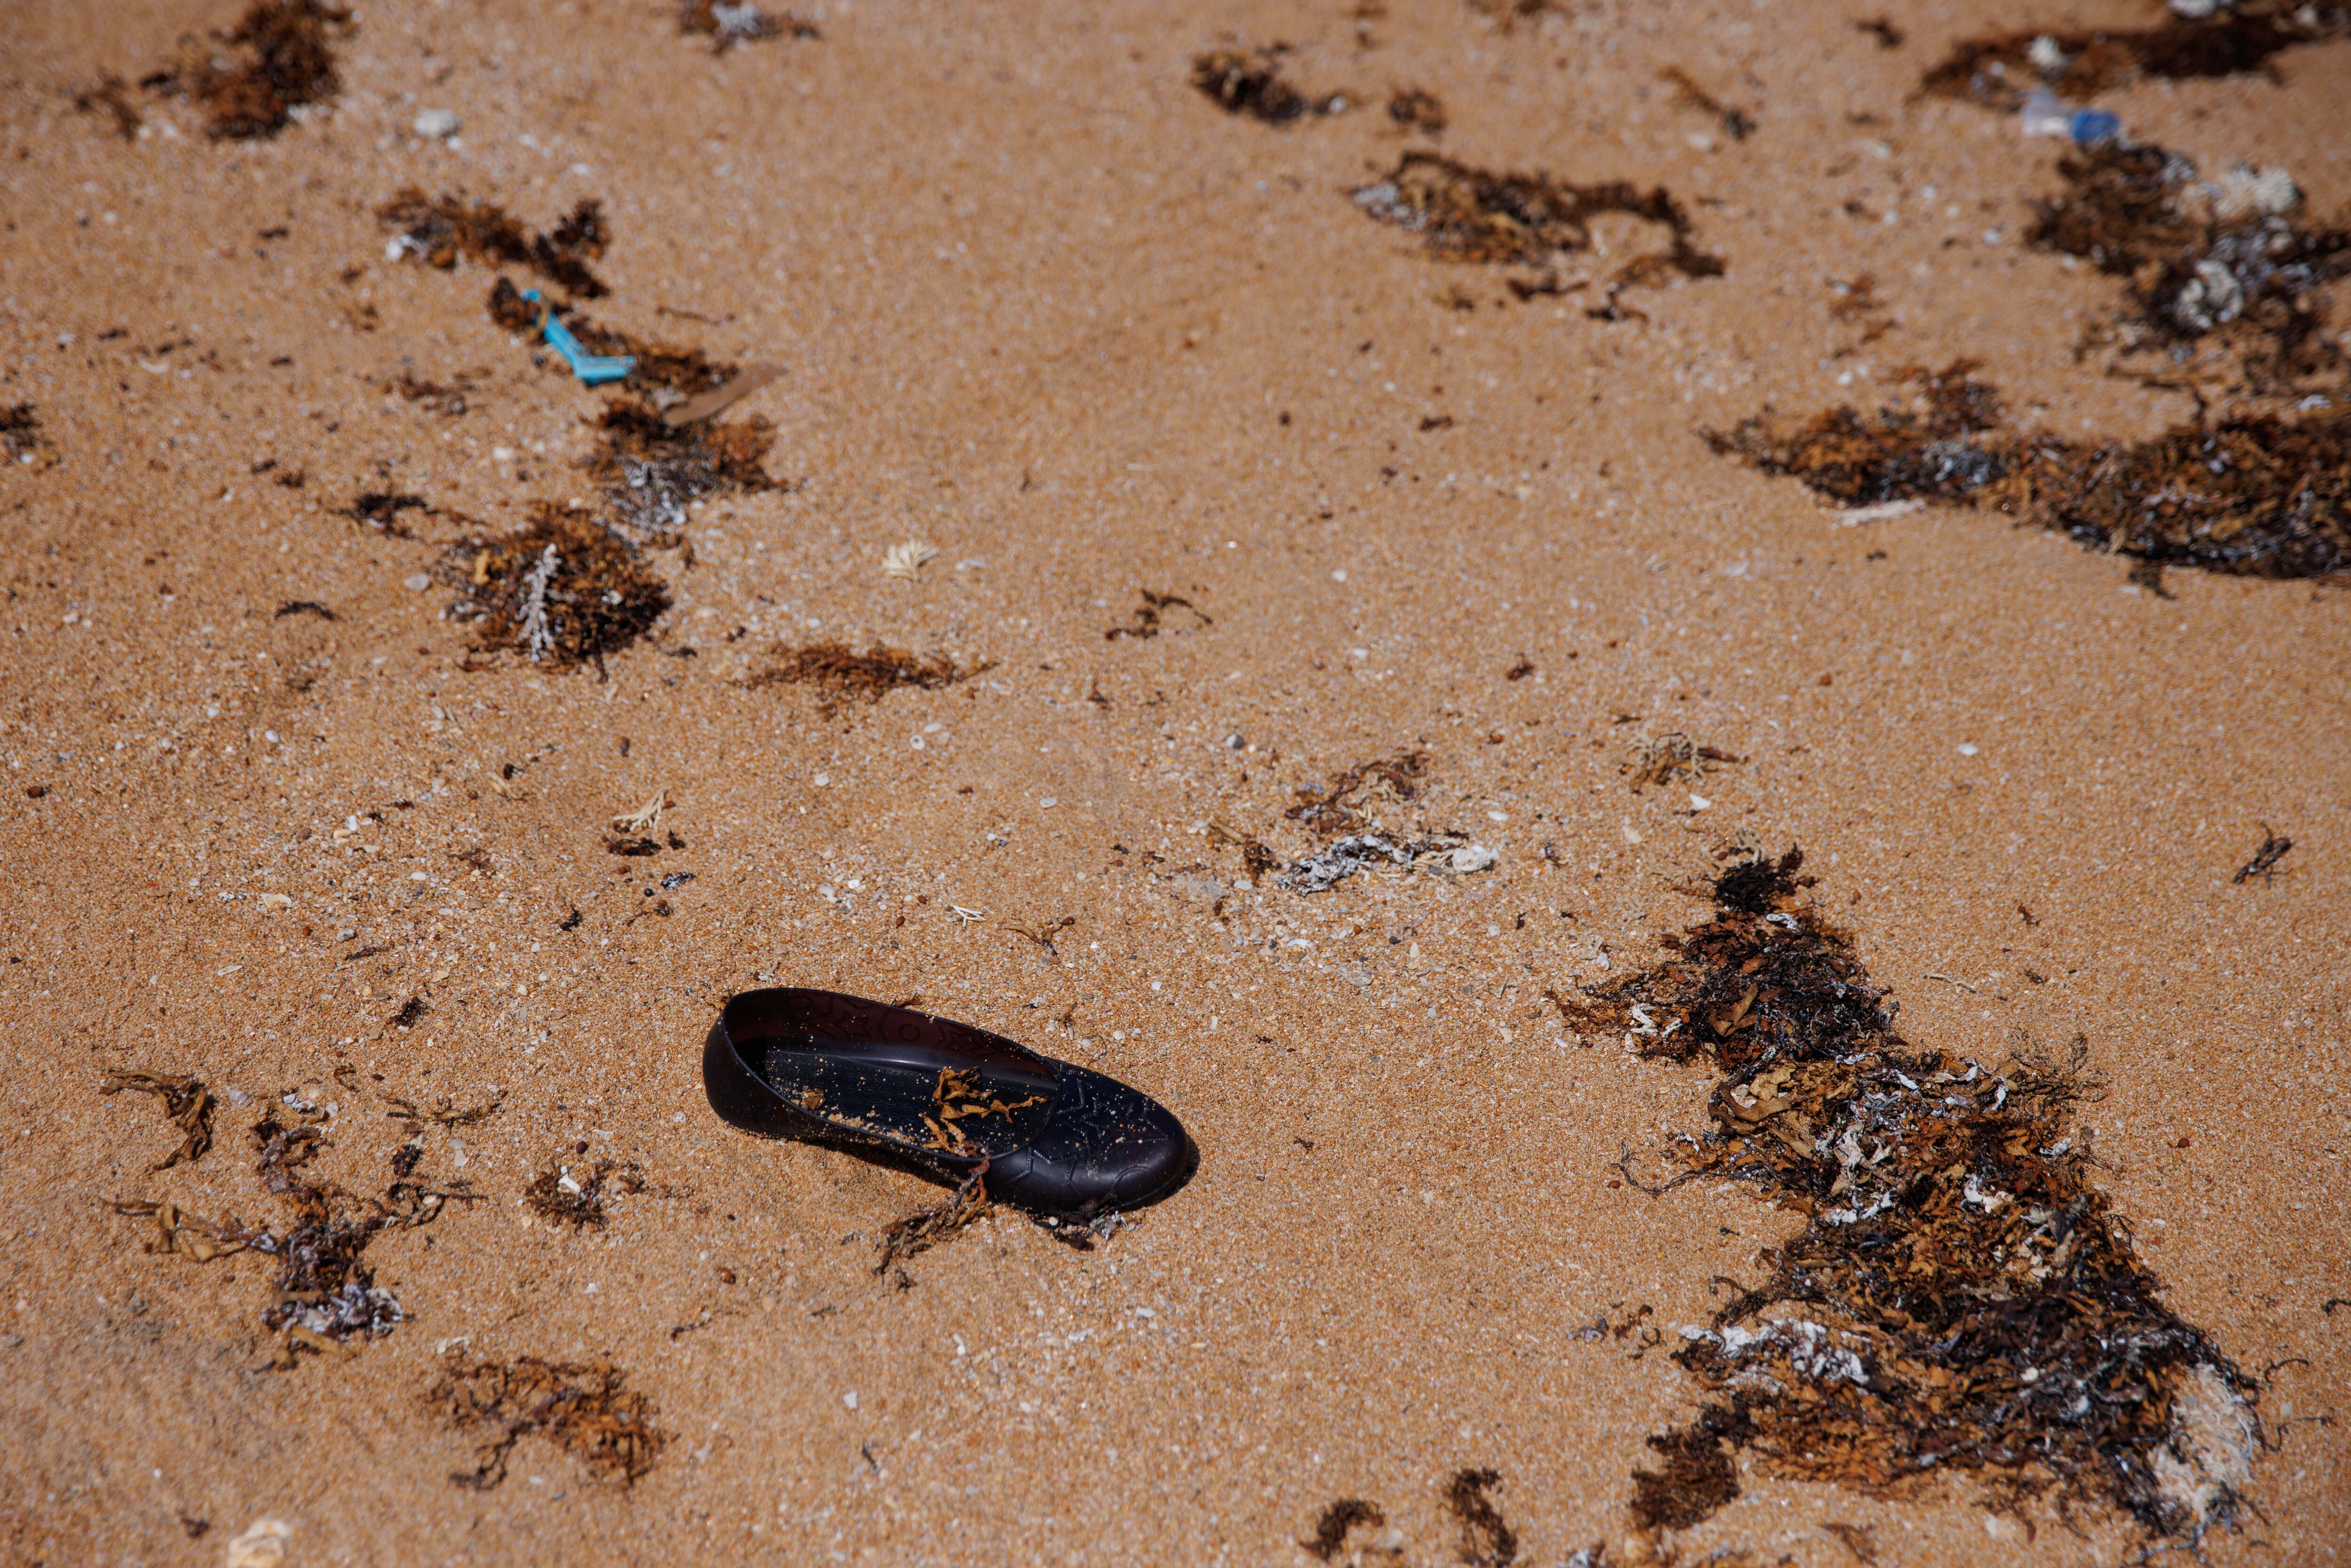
(1245, 518)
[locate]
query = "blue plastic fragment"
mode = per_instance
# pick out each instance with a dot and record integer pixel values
(592, 369)
(2092, 126)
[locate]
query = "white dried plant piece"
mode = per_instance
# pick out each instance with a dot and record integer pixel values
(1882, 512)
(537, 641)
(263, 1544)
(645, 817)
(904, 561)
(2246, 192)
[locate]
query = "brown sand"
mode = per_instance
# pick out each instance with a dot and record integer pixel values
(1046, 307)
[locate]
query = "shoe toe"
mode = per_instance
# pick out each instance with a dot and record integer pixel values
(1106, 1146)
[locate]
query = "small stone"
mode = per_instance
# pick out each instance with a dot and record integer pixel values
(417, 583)
(436, 122)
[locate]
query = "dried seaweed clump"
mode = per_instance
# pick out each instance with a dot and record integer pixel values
(926, 1227)
(437, 230)
(20, 431)
(587, 1409)
(1931, 449)
(726, 25)
(842, 675)
(1486, 1541)
(187, 1104)
(1365, 795)
(1252, 84)
(1960, 1299)
(1338, 1521)
(2256, 497)
(251, 79)
(2227, 256)
(1467, 215)
(650, 469)
(580, 1199)
(1674, 757)
(564, 589)
(2001, 69)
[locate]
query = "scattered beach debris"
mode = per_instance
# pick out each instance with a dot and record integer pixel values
(305, 607)
(1487, 1541)
(926, 1227)
(1153, 616)
(1674, 757)
(20, 431)
(1252, 84)
(1530, 220)
(1448, 854)
(187, 1105)
(585, 1409)
(255, 78)
(177, 1232)
(2227, 259)
(841, 674)
(2046, 114)
(565, 589)
(593, 369)
(2000, 69)
(1256, 856)
(650, 470)
(2263, 865)
(684, 382)
(726, 25)
(1960, 1299)
(905, 562)
(560, 1196)
(438, 230)
(1417, 109)
(1340, 1520)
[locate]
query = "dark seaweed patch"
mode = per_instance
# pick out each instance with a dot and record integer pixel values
(279, 58)
(1469, 215)
(2273, 849)
(1960, 1300)
(2000, 69)
(438, 230)
(842, 675)
(2229, 259)
(20, 431)
(1416, 108)
(665, 373)
(1933, 448)
(1338, 1521)
(113, 95)
(2257, 495)
(382, 509)
(648, 469)
(1156, 614)
(1252, 84)
(585, 1409)
(1486, 1541)
(564, 589)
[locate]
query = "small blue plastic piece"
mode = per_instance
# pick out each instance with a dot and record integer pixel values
(592, 369)
(2092, 126)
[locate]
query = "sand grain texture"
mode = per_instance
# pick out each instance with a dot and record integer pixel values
(1042, 303)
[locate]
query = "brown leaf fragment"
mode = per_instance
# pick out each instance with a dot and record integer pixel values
(187, 1104)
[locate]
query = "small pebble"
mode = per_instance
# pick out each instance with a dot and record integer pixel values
(417, 583)
(436, 122)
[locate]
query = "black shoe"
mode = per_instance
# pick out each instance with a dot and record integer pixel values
(941, 1096)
